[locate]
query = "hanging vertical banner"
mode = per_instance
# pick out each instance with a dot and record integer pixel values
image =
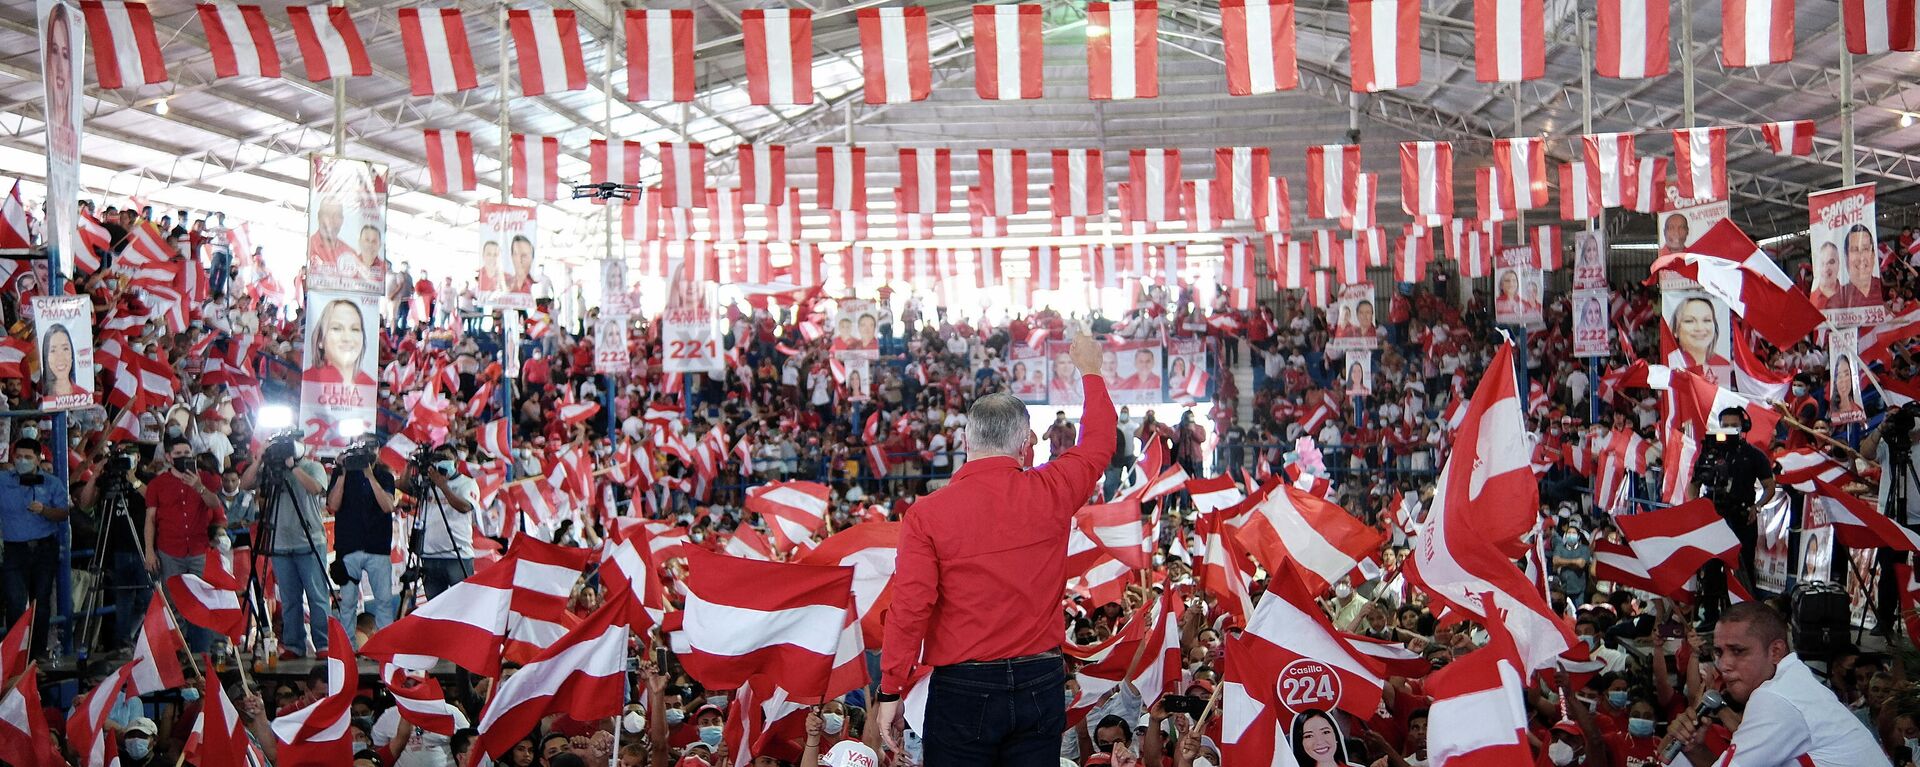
(1027, 373)
(1590, 260)
(689, 342)
(613, 288)
(1770, 558)
(1592, 335)
(1843, 358)
(1360, 374)
(859, 376)
(342, 356)
(1694, 332)
(63, 327)
(1356, 319)
(509, 235)
(1516, 288)
(1846, 256)
(346, 225)
(60, 68)
(1133, 369)
(610, 356)
(1684, 223)
(856, 328)
(1187, 369)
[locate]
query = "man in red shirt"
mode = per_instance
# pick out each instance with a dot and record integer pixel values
(182, 514)
(982, 563)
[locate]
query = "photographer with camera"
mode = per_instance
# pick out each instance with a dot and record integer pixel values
(1727, 471)
(294, 536)
(112, 496)
(1892, 446)
(447, 500)
(183, 517)
(33, 508)
(361, 499)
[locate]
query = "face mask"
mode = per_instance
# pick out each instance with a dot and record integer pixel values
(139, 748)
(710, 735)
(189, 694)
(1589, 640)
(1571, 539)
(173, 431)
(1560, 753)
(361, 745)
(832, 724)
(1640, 728)
(633, 722)
(675, 717)
(30, 433)
(1799, 390)
(1070, 697)
(1342, 591)
(1590, 702)
(445, 467)
(1617, 698)
(25, 466)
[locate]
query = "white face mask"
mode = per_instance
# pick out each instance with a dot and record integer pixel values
(1560, 753)
(633, 723)
(1342, 591)
(1202, 762)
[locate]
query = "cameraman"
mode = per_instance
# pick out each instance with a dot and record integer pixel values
(447, 500)
(1728, 469)
(361, 499)
(33, 508)
(1892, 446)
(296, 539)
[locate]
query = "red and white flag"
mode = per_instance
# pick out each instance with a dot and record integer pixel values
(1610, 161)
(1879, 26)
(219, 737)
(1548, 254)
(465, 625)
(1416, 251)
(439, 59)
(1289, 659)
(793, 511)
(793, 624)
(1322, 541)
(1479, 714)
(329, 42)
(536, 167)
(1003, 181)
(1509, 40)
(1079, 183)
(1633, 40)
(1123, 63)
(683, 174)
(1111, 529)
(213, 607)
(926, 180)
(1648, 191)
(615, 162)
(1426, 178)
(23, 726)
(241, 40)
(660, 54)
(422, 702)
(450, 161)
(1259, 41)
(1333, 171)
(1211, 494)
(1791, 137)
(1385, 35)
(893, 54)
(779, 48)
(1782, 315)
(1153, 184)
(16, 234)
(156, 653)
(869, 548)
(1700, 162)
(1240, 183)
(1279, 216)
(842, 172)
(1755, 32)
(1008, 51)
(1616, 563)
(126, 49)
(14, 652)
(1579, 191)
(1522, 166)
(763, 174)
(546, 42)
(320, 733)
(1674, 543)
(1858, 524)
(582, 676)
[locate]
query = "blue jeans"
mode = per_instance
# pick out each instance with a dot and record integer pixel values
(441, 573)
(375, 570)
(304, 602)
(1008, 713)
(132, 589)
(198, 639)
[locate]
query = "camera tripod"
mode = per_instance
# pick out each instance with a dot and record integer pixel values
(274, 486)
(113, 510)
(410, 578)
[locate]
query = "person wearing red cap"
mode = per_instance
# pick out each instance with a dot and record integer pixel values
(981, 566)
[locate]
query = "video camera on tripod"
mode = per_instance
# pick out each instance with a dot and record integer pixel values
(1898, 431)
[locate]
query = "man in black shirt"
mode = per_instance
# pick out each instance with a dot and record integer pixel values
(362, 506)
(132, 585)
(1728, 471)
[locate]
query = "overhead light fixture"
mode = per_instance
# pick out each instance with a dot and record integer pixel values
(1906, 119)
(1096, 30)
(160, 107)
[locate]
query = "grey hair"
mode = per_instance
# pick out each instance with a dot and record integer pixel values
(998, 423)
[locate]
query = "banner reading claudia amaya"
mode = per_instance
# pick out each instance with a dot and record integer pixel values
(508, 235)
(342, 353)
(1843, 359)
(63, 326)
(346, 225)
(60, 68)
(1846, 256)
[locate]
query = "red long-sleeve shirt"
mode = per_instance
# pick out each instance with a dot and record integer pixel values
(982, 562)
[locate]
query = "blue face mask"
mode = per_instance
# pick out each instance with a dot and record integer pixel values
(189, 694)
(139, 748)
(710, 735)
(675, 717)
(1640, 728)
(1617, 698)
(445, 467)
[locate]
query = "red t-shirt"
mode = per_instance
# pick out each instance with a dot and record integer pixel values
(180, 516)
(1629, 751)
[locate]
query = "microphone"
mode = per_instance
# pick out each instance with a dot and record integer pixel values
(1709, 703)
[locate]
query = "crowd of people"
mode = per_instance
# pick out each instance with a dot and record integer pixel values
(190, 478)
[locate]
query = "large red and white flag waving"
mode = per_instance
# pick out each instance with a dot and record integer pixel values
(1426, 179)
(208, 606)
(23, 726)
(219, 737)
(1755, 32)
(536, 167)
(893, 54)
(1783, 316)
(329, 42)
(241, 40)
(439, 59)
(583, 676)
(1300, 532)
(1858, 524)
(1633, 40)
(869, 548)
(1479, 713)
(422, 702)
(465, 625)
(793, 511)
(1124, 62)
(547, 43)
(1791, 137)
(1112, 529)
(1700, 163)
(779, 45)
(156, 653)
(1288, 661)
(1008, 51)
(320, 733)
(1333, 172)
(1509, 40)
(794, 624)
(1673, 543)
(1385, 35)
(1878, 26)
(450, 161)
(1259, 44)
(660, 54)
(126, 49)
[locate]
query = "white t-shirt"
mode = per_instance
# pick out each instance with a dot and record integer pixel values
(442, 519)
(424, 749)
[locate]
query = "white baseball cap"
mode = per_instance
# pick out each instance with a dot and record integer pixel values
(851, 753)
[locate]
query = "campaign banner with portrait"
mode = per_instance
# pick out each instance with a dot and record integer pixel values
(1695, 332)
(1592, 333)
(346, 225)
(689, 338)
(613, 288)
(1357, 369)
(1133, 371)
(859, 375)
(63, 330)
(1063, 378)
(856, 328)
(1816, 539)
(61, 45)
(1356, 319)
(1187, 369)
(1846, 256)
(1843, 392)
(1771, 563)
(1517, 288)
(1590, 260)
(610, 355)
(1684, 225)
(341, 362)
(509, 235)
(1027, 373)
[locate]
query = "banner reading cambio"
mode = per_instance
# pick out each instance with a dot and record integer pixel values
(1846, 256)
(63, 326)
(341, 359)
(689, 343)
(60, 67)
(508, 236)
(1516, 288)
(346, 225)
